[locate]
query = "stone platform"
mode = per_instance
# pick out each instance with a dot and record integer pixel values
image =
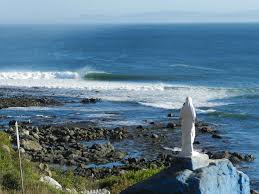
(192, 163)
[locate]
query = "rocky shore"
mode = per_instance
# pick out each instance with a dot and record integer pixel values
(66, 146)
(25, 101)
(97, 152)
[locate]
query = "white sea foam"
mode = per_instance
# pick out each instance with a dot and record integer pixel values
(38, 75)
(159, 95)
(205, 111)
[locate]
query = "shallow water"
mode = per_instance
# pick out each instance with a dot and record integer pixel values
(141, 72)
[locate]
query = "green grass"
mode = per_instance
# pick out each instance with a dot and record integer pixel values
(9, 167)
(113, 183)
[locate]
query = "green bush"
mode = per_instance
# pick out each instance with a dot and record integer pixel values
(11, 182)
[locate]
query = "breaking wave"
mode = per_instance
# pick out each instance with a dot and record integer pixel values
(155, 94)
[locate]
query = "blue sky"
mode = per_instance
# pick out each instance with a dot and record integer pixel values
(84, 11)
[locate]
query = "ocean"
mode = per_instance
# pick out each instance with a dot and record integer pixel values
(141, 72)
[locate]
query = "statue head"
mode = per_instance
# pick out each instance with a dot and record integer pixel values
(188, 109)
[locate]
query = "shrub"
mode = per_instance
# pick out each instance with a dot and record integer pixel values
(11, 181)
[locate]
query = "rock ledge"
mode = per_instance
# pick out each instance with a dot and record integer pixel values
(219, 177)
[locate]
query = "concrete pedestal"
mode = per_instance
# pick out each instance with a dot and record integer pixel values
(194, 162)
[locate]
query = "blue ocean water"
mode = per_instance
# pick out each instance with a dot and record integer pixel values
(142, 71)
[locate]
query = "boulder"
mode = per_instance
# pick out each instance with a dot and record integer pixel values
(31, 145)
(219, 177)
(50, 181)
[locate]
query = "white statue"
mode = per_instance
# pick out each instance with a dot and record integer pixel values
(188, 117)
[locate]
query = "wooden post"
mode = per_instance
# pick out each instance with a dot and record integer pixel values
(19, 152)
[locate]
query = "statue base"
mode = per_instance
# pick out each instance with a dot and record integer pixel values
(197, 160)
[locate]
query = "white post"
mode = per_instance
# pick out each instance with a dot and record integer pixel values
(19, 152)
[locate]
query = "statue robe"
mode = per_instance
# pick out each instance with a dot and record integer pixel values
(188, 117)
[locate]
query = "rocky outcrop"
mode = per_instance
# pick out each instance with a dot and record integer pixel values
(62, 145)
(22, 101)
(234, 157)
(219, 177)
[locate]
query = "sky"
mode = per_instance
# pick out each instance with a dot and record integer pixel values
(112, 11)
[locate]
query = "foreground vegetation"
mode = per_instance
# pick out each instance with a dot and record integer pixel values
(10, 175)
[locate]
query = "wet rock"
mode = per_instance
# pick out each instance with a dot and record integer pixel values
(22, 101)
(206, 129)
(170, 115)
(90, 100)
(117, 133)
(12, 123)
(156, 124)
(234, 159)
(119, 155)
(216, 136)
(233, 156)
(102, 149)
(249, 158)
(155, 136)
(219, 155)
(171, 125)
(140, 127)
(132, 160)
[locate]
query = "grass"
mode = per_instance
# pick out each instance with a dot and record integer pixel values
(10, 177)
(115, 184)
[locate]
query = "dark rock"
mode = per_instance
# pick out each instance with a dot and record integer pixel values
(233, 156)
(171, 125)
(132, 160)
(234, 159)
(22, 101)
(155, 136)
(249, 158)
(140, 127)
(216, 136)
(12, 123)
(206, 129)
(90, 100)
(170, 115)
